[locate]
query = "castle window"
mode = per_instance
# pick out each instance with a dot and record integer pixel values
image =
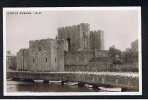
(84, 36)
(39, 48)
(68, 43)
(33, 60)
(55, 59)
(46, 59)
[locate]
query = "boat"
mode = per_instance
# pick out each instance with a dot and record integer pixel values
(72, 83)
(88, 85)
(55, 82)
(39, 81)
(110, 89)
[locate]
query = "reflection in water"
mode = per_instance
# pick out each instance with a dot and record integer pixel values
(13, 86)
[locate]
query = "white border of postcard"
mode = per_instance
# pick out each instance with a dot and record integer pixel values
(70, 93)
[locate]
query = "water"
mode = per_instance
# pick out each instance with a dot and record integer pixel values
(15, 86)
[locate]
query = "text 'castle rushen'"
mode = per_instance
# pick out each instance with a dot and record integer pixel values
(74, 46)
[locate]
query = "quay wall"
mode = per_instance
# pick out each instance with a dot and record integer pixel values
(99, 67)
(124, 80)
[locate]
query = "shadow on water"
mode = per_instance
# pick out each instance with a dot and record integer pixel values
(45, 87)
(25, 86)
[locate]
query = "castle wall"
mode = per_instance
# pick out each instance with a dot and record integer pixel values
(40, 55)
(22, 60)
(77, 35)
(102, 68)
(102, 40)
(46, 55)
(11, 62)
(84, 36)
(101, 53)
(70, 34)
(78, 58)
(97, 60)
(97, 40)
(81, 58)
(60, 55)
(53, 55)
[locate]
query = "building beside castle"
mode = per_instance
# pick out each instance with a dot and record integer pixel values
(10, 61)
(22, 59)
(74, 45)
(134, 46)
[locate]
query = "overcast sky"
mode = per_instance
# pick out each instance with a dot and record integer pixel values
(120, 26)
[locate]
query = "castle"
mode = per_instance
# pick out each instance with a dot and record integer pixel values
(79, 37)
(74, 46)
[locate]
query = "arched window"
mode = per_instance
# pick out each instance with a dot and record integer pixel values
(68, 44)
(46, 59)
(33, 60)
(84, 36)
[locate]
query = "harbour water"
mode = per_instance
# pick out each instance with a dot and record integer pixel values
(23, 86)
(15, 86)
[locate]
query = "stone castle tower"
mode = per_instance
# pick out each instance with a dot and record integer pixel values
(97, 40)
(79, 37)
(42, 55)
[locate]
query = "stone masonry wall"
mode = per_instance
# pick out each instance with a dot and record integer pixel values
(11, 62)
(60, 55)
(77, 58)
(79, 37)
(46, 55)
(22, 59)
(87, 61)
(76, 35)
(40, 55)
(97, 40)
(99, 67)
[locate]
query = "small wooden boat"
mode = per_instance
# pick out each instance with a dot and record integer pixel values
(110, 89)
(39, 81)
(88, 85)
(56, 82)
(72, 83)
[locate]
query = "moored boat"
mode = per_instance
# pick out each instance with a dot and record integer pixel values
(110, 89)
(88, 85)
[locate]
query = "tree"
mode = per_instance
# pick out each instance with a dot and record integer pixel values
(115, 55)
(130, 56)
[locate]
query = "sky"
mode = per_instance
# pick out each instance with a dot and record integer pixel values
(120, 26)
